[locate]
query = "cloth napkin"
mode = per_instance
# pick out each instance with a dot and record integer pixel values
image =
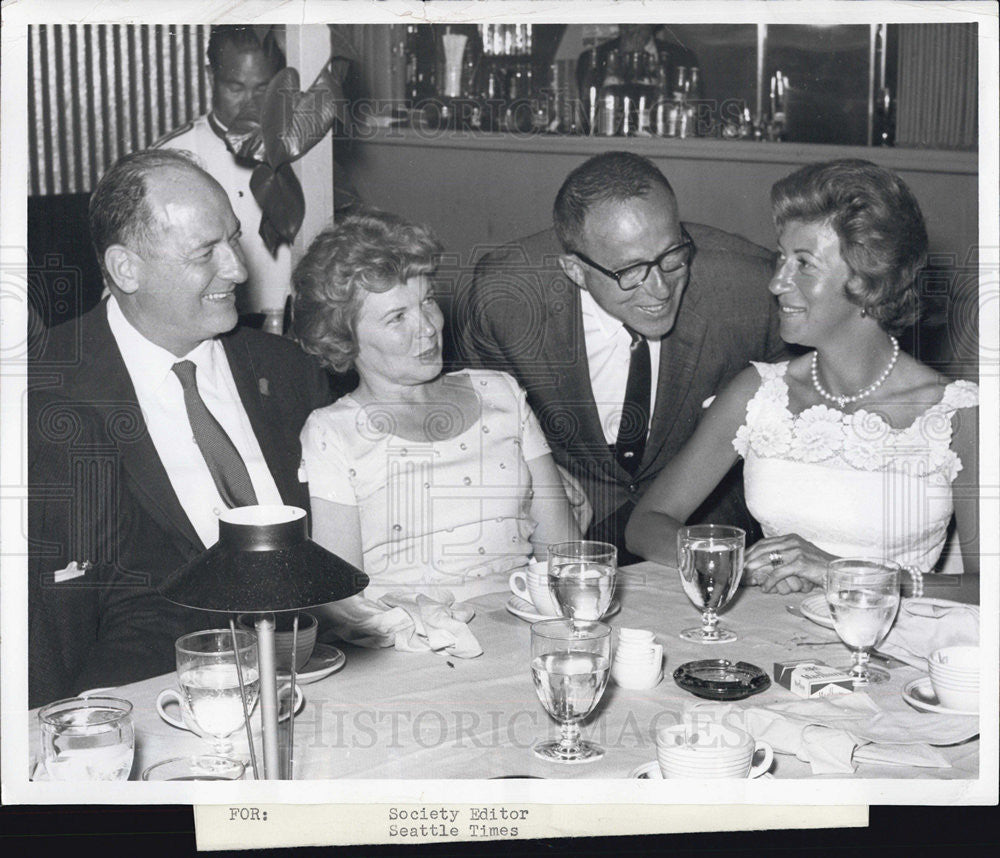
(926, 625)
(408, 621)
(834, 734)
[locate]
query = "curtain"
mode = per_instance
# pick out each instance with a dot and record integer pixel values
(99, 91)
(938, 86)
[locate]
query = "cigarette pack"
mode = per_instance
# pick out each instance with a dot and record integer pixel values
(809, 677)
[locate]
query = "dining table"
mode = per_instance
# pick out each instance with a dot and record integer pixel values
(386, 714)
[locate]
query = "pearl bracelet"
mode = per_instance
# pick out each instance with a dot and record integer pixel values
(916, 581)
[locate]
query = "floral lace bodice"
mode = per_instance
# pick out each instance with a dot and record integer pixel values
(851, 483)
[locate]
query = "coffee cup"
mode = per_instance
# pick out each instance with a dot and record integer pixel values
(170, 697)
(532, 584)
(710, 750)
(304, 644)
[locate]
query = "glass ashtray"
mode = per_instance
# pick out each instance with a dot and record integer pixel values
(721, 679)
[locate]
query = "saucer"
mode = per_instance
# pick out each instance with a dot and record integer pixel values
(647, 772)
(651, 772)
(323, 661)
(920, 695)
(527, 611)
(815, 608)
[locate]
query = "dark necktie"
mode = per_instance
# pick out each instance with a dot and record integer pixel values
(223, 459)
(635, 410)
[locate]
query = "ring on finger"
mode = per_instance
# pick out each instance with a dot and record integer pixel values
(775, 559)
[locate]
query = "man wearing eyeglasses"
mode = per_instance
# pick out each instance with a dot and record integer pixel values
(620, 323)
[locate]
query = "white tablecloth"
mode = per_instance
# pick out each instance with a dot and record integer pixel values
(389, 714)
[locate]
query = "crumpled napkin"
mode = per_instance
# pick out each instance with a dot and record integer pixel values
(834, 734)
(926, 625)
(408, 621)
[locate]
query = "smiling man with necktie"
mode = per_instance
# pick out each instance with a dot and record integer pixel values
(620, 322)
(149, 416)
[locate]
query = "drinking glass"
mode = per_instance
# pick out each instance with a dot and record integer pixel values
(582, 578)
(570, 661)
(863, 596)
(206, 673)
(710, 558)
(87, 739)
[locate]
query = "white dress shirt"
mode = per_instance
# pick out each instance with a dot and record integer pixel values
(608, 353)
(161, 400)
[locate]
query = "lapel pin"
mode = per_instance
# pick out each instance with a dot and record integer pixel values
(263, 387)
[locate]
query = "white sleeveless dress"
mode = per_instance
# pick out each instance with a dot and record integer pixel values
(850, 483)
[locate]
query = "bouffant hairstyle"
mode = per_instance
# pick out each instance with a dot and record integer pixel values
(882, 234)
(610, 177)
(367, 251)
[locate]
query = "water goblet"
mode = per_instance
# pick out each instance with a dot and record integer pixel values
(582, 578)
(710, 560)
(87, 739)
(570, 662)
(863, 595)
(210, 687)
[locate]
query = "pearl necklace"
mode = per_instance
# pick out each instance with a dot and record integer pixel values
(841, 401)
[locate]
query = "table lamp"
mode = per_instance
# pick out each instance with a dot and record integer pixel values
(264, 563)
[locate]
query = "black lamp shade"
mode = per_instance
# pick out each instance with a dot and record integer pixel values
(263, 562)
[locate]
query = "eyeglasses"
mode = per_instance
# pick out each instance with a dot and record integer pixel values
(672, 260)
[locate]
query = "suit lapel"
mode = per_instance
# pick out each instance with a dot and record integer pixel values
(565, 350)
(679, 354)
(103, 382)
(264, 414)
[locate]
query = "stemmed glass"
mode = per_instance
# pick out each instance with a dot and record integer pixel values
(710, 559)
(570, 661)
(863, 596)
(87, 739)
(206, 673)
(582, 578)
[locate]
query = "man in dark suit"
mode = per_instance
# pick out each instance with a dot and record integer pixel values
(620, 323)
(148, 416)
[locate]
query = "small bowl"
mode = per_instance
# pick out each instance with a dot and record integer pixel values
(305, 643)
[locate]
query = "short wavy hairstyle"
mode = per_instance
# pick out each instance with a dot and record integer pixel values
(882, 234)
(366, 251)
(608, 177)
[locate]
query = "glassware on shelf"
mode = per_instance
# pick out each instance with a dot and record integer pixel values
(590, 90)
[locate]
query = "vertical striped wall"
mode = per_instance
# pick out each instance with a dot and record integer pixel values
(96, 92)
(938, 86)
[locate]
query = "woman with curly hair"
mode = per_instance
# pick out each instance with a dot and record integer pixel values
(854, 448)
(419, 477)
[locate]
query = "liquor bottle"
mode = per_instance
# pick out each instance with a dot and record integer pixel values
(637, 95)
(661, 106)
(645, 89)
(676, 113)
(610, 98)
(692, 97)
(590, 88)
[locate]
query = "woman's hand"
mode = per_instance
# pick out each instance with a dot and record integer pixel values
(785, 564)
